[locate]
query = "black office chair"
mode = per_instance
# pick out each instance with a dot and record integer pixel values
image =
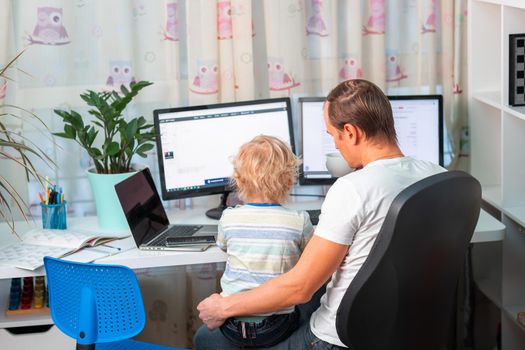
(404, 295)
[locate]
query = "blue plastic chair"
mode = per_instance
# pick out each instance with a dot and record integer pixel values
(98, 305)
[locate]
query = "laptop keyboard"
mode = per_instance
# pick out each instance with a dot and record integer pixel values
(175, 231)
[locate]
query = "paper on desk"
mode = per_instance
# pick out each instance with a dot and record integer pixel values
(91, 254)
(31, 256)
(28, 256)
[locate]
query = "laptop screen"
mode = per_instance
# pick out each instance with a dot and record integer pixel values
(142, 206)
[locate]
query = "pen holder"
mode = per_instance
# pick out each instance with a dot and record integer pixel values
(54, 216)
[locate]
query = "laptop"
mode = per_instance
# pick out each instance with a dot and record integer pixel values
(149, 223)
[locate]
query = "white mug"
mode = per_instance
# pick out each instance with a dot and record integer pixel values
(337, 165)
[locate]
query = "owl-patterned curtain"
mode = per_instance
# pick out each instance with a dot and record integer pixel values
(208, 51)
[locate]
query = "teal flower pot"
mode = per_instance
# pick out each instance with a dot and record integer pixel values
(109, 211)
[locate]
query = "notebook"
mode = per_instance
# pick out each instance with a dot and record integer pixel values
(149, 223)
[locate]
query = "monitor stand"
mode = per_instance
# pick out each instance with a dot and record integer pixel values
(216, 213)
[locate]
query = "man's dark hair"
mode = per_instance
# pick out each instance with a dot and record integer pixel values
(362, 104)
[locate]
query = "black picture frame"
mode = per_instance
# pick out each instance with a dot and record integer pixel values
(517, 69)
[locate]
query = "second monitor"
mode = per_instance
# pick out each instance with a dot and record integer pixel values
(418, 121)
(196, 144)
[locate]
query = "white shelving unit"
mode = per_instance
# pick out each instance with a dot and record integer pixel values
(498, 151)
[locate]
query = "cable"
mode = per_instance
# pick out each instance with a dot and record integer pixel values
(307, 195)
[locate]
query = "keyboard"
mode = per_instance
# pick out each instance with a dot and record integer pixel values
(314, 215)
(175, 231)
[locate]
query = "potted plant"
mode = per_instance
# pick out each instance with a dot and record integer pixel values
(112, 152)
(17, 149)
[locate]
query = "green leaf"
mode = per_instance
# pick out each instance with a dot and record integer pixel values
(70, 131)
(131, 129)
(132, 144)
(112, 148)
(144, 148)
(63, 134)
(121, 103)
(97, 123)
(61, 113)
(96, 153)
(76, 120)
(124, 90)
(81, 135)
(92, 134)
(97, 114)
(88, 97)
(148, 135)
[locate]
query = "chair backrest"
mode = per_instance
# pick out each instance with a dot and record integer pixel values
(403, 296)
(94, 303)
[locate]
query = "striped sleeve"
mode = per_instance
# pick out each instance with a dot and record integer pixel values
(308, 230)
(221, 241)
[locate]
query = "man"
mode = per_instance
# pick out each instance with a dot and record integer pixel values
(359, 118)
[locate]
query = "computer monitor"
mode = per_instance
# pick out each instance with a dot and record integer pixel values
(418, 121)
(196, 144)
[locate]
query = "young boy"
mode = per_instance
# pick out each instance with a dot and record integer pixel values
(262, 238)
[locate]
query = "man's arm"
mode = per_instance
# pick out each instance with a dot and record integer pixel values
(318, 262)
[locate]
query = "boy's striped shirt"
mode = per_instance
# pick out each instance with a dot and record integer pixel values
(262, 242)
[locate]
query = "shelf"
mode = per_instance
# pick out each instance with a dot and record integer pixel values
(517, 214)
(512, 3)
(518, 112)
(485, 130)
(512, 312)
(491, 289)
(492, 195)
(485, 70)
(18, 321)
(491, 98)
(497, 148)
(495, 2)
(488, 229)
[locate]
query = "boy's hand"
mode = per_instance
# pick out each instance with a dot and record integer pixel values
(210, 311)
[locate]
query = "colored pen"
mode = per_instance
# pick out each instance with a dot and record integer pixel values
(41, 198)
(47, 189)
(110, 246)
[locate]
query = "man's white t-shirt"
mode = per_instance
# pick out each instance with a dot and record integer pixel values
(352, 214)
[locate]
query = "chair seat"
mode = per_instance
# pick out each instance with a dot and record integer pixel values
(132, 345)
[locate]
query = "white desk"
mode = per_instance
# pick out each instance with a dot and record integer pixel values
(488, 229)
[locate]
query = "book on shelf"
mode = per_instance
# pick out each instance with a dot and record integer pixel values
(37, 243)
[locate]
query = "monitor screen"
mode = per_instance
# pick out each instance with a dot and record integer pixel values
(418, 121)
(196, 144)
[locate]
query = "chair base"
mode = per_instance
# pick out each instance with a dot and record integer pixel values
(85, 346)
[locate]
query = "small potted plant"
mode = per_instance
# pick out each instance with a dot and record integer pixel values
(111, 142)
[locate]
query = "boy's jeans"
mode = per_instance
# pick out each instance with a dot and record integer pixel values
(301, 339)
(268, 332)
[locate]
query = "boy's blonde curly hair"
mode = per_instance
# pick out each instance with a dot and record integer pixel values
(265, 167)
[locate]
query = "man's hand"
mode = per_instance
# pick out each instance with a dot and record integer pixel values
(210, 311)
